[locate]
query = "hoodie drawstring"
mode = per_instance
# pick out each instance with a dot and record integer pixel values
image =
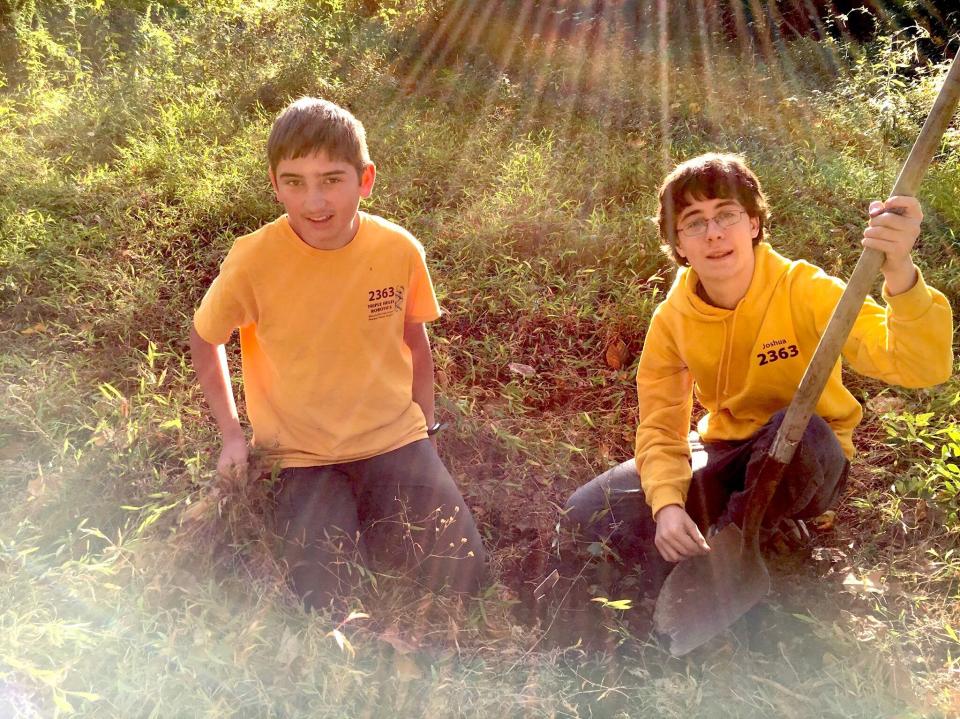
(723, 367)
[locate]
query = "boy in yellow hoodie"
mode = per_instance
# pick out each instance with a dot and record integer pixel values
(737, 330)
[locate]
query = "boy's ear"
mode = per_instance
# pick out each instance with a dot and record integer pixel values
(273, 184)
(367, 178)
(678, 249)
(754, 227)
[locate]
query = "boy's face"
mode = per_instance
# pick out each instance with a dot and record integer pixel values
(321, 197)
(716, 238)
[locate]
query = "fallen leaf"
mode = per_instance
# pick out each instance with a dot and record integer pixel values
(43, 485)
(869, 583)
(920, 511)
(616, 353)
(392, 637)
(829, 554)
(442, 380)
(35, 487)
(407, 669)
(35, 329)
(289, 648)
(199, 508)
(521, 369)
(825, 522)
(883, 403)
(546, 585)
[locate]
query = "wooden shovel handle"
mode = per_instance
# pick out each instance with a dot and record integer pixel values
(828, 350)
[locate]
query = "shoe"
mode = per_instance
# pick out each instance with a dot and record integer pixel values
(788, 535)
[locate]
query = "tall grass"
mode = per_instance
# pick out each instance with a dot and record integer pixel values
(132, 152)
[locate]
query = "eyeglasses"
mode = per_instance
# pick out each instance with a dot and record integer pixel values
(698, 228)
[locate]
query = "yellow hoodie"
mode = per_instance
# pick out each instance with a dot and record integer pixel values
(745, 364)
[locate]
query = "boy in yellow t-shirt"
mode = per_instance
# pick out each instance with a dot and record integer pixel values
(737, 330)
(337, 370)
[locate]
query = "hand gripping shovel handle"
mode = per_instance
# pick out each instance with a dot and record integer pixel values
(828, 350)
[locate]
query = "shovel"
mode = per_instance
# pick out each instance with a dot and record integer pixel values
(705, 594)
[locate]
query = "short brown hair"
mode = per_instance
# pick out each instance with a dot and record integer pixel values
(310, 125)
(707, 177)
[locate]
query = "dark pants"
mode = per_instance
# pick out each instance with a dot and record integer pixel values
(612, 510)
(400, 509)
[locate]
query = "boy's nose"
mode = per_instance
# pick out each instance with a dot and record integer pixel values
(713, 229)
(316, 200)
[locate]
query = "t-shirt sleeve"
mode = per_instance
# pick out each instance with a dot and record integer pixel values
(225, 306)
(422, 305)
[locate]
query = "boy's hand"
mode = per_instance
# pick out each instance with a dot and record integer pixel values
(893, 229)
(232, 465)
(678, 537)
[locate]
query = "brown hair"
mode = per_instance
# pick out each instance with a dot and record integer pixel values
(707, 177)
(310, 125)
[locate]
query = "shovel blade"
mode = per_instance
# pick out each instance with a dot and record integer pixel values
(706, 594)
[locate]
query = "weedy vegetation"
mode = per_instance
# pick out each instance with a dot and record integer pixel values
(522, 143)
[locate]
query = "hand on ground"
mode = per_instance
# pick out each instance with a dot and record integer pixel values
(232, 465)
(678, 537)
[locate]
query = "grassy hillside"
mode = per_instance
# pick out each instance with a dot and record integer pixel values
(132, 150)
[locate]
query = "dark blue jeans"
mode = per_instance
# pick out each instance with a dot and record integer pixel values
(612, 509)
(400, 509)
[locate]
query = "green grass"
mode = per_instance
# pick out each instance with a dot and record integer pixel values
(131, 141)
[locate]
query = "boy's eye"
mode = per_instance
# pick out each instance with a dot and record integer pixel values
(696, 226)
(725, 218)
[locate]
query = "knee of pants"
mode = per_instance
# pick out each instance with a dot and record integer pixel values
(827, 494)
(573, 513)
(818, 443)
(470, 572)
(580, 513)
(821, 470)
(819, 435)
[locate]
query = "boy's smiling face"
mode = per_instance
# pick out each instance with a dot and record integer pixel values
(321, 197)
(722, 257)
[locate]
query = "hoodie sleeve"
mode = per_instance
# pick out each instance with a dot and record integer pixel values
(906, 343)
(665, 401)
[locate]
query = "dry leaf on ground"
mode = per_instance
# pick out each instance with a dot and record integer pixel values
(616, 353)
(869, 583)
(521, 369)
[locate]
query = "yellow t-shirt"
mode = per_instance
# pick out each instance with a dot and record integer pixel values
(327, 376)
